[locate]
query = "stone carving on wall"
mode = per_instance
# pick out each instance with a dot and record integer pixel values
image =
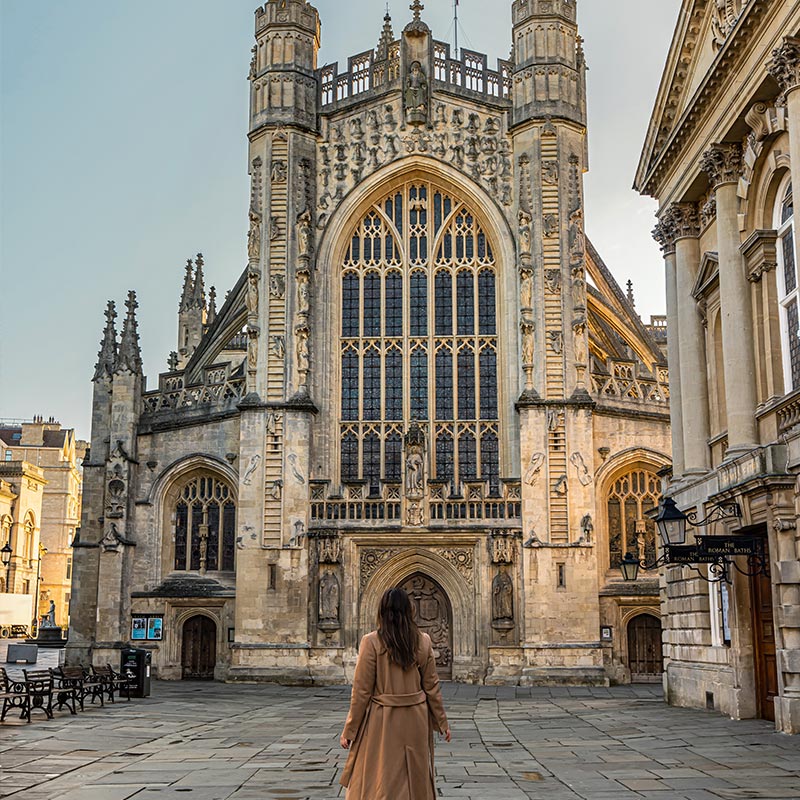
(303, 293)
(587, 528)
(561, 487)
(254, 236)
(370, 560)
(534, 467)
(115, 496)
(329, 549)
(550, 172)
(301, 334)
(274, 228)
(785, 64)
(503, 546)
(329, 599)
(296, 474)
(251, 298)
(474, 144)
(252, 356)
(722, 163)
(277, 286)
(552, 281)
(581, 349)
(280, 171)
(577, 239)
(578, 287)
(278, 346)
(550, 225)
(304, 233)
(247, 478)
(502, 600)
(725, 16)
(111, 539)
(525, 192)
(584, 476)
(528, 350)
(526, 288)
(556, 341)
(460, 558)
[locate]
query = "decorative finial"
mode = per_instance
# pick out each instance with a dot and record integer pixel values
(417, 7)
(631, 299)
(172, 362)
(212, 305)
(186, 295)
(198, 289)
(107, 357)
(130, 357)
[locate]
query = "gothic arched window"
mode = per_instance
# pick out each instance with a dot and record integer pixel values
(204, 525)
(630, 530)
(419, 339)
(787, 285)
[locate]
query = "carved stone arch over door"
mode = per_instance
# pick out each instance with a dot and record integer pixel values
(434, 616)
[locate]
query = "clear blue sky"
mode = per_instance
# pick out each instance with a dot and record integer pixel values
(123, 152)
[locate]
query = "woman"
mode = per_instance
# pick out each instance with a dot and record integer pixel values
(395, 706)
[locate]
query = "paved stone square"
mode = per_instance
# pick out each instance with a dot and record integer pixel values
(207, 741)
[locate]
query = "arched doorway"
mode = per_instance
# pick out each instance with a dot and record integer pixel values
(434, 617)
(645, 659)
(199, 649)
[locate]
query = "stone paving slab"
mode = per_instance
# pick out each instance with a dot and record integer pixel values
(193, 741)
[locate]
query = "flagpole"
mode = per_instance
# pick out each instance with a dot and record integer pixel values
(455, 25)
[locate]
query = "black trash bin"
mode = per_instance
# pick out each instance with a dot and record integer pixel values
(136, 664)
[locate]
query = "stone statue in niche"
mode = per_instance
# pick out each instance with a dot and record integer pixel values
(416, 95)
(581, 343)
(304, 233)
(252, 349)
(303, 293)
(415, 462)
(329, 597)
(251, 298)
(303, 358)
(502, 600)
(528, 342)
(577, 239)
(578, 287)
(524, 232)
(254, 236)
(587, 528)
(526, 288)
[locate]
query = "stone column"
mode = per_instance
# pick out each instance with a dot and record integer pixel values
(691, 339)
(664, 235)
(785, 68)
(722, 163)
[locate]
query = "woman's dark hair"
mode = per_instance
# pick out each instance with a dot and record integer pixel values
(397, 629)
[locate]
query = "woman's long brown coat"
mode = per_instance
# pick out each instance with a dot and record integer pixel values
(393, 713)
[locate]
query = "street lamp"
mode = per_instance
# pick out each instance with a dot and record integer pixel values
(629, 566)
(671, 522)
(6, 559)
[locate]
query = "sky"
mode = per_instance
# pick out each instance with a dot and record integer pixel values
(123, 152)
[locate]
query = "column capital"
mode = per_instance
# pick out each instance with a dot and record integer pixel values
(785, 64)
(685, 220)
(722, 163)
(665, 234)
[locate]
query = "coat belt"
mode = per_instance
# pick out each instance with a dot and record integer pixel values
(400, 700)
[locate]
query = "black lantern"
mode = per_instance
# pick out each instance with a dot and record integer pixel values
(671, 522)
(6, 551)
(629, 566)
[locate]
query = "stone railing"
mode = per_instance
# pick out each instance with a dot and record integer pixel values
(623, 384)
(365, 73)
(217, 391)
(788, 412)
(356, 503)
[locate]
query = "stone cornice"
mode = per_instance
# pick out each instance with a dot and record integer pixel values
(785, 64)
(660, 152)
(722, 163)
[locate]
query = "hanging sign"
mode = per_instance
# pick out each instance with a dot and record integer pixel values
(731, 545)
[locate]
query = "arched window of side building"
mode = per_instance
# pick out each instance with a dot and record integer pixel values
(787, 285)
(204, 520)
(631, 496)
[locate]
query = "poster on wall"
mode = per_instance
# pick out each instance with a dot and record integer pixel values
(155, 627)
(139, 628)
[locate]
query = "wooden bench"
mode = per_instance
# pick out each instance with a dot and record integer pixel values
(39, 689)
(12, 694)
(113, 682)
(77, 683)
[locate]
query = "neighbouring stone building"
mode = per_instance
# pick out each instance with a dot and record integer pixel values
(425, 376)
(21, 489)
(721, 157)
(58, 454)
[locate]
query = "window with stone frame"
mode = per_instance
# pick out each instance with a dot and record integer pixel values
(787, 285)
(419, 340)
(29, 528)
(204, 524)
(630, 530)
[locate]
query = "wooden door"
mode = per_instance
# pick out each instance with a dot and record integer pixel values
(199, 652)
(645, 659)
(764, 646)
(433, 617)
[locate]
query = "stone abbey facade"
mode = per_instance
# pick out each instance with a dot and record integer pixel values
(721, 156)
(424, 376)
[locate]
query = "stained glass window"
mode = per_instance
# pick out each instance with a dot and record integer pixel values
(205, 525)
(419, 340)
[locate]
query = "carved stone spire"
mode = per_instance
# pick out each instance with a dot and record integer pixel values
(785, 64)
(212, 305)
(130, 356)
(629, 293)
(186, 294)
(107, 357)
(199, 289)
(387, 37)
